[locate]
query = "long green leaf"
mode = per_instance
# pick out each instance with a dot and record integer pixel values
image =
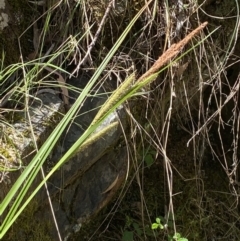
(33, 168)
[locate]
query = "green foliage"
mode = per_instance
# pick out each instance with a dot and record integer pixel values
(149, 157)
(20, 188)
(157, 224)
(16, 199)
(133, 229)
(127, 236)
(175, 237)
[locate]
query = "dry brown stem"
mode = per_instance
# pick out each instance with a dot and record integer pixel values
(171, 52)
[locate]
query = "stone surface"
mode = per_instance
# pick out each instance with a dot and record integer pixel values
(88, 181)
(44, 113)
(79, 188)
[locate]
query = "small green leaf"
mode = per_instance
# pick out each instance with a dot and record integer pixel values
(158, 220)
(155, 225)
(127, 236)
(170, 238)
(177, 236)
(137, 229)
(148, 231)
(149, 160)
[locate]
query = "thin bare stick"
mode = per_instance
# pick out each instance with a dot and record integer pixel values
(83, 61)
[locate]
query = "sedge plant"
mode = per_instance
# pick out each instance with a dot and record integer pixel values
(129, 88)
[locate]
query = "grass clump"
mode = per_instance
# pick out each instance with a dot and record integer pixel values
(180, 103)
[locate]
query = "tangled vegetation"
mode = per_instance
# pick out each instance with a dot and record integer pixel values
(183, 116)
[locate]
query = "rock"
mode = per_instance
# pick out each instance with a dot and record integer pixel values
(88, 181)
(80, 188)
(44, 113)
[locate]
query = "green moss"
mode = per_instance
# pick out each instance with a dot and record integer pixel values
(8, 151)
(29, 227)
